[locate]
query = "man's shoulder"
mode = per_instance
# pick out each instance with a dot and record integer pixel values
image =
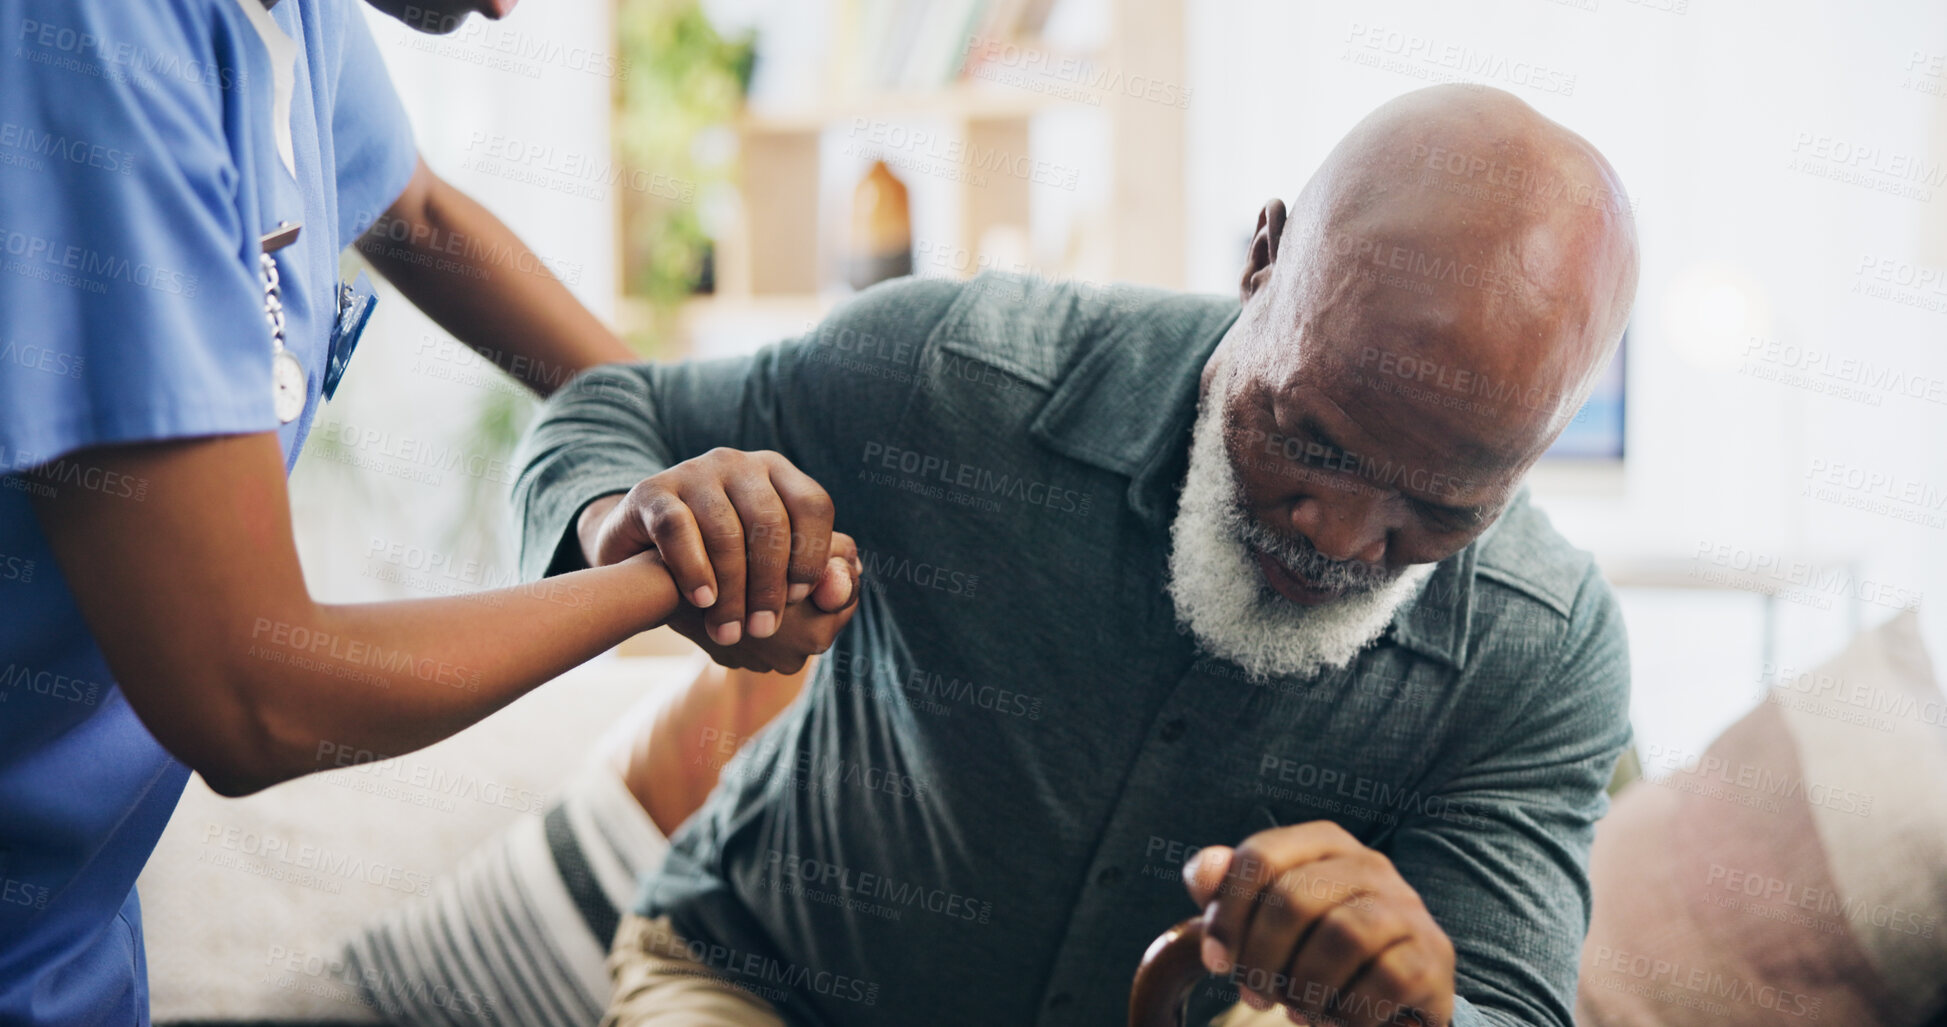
(1538, 613)
(1032, 327)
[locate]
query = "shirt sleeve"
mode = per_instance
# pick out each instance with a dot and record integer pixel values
(371, 136)
(129, 304)
(810, 399)
(1501, 857)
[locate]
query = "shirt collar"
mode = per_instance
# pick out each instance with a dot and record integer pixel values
(1436, 622)
(1439, 622)
(1129, 406)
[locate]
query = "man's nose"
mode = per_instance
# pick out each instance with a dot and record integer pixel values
(1343, 526)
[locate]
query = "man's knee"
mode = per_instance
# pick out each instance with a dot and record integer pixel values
(658, 982)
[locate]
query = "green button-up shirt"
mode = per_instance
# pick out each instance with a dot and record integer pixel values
(978, 811)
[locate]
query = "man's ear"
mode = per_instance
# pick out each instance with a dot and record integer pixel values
(1264, 249)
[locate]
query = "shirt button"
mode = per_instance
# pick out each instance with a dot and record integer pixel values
(1059, 999)
(1109, 877)
(1172, 730)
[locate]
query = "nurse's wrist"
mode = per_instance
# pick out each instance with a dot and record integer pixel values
(649, 581)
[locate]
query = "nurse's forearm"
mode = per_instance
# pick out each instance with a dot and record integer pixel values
(470, 273)
(388, 678)
(180, 558)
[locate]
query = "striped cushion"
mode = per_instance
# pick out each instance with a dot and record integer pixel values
(518, 933)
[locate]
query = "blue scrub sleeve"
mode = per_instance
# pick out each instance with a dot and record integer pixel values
(375, 150)
(130, 308)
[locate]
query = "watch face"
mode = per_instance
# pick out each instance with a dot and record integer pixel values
(287, 386)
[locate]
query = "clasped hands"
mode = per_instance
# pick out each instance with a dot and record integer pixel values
(747, 537)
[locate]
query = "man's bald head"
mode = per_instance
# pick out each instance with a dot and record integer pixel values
(1468, 185)
(1438, 303)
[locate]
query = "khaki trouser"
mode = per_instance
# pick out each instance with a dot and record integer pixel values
(657, 984)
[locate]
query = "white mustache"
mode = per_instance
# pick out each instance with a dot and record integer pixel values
(1302, 558)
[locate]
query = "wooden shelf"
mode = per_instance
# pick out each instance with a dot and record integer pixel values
(781, 185)
(772, 254)
(961, 102)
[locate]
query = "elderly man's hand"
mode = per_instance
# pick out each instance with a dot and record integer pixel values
(1308, 918)
(743, 533)
(808, 625)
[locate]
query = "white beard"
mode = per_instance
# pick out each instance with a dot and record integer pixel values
(1221, 594)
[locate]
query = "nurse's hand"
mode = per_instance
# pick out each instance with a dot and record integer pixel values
(743, 533)
(1309, 918)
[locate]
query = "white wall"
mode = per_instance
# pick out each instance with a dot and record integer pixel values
(1701, 110)
(515, 113)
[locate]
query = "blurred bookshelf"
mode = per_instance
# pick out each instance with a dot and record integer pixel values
(960, 98)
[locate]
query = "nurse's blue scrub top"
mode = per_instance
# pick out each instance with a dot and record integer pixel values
(138, 167)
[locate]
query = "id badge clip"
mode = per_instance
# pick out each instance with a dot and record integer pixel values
(356, 301)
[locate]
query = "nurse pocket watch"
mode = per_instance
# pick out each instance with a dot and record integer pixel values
(287, 386)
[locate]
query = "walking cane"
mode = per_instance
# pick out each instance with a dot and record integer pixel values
(1170, 970)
